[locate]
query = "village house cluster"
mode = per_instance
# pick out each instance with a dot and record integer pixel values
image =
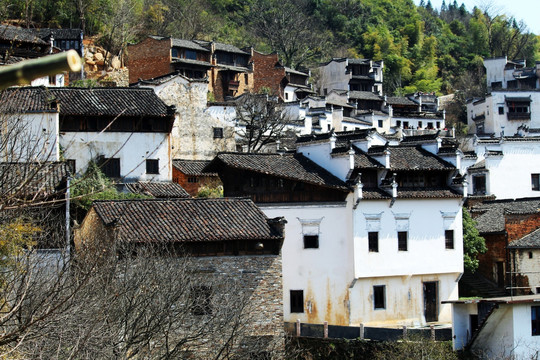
(354, 218)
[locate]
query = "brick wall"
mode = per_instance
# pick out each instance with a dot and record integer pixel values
(496, 245)
(149, 58)
(193, 187)
(518, 226)
(266, 74)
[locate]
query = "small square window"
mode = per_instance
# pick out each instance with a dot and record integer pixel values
(201, 300)
(419, 124)
(286, 96)
(402, 241)
(152, 166)
(311, 241)
(373, 241)
(530, 255)
(110, 167)
(535, 320)
(380, 123)
(297, 301)
(398, 122)
(218, 133)
(535, 182)
(501, 110)
(449, 239)
(379, 296)
(438, 124)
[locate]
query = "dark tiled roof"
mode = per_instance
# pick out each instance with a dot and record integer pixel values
(292, 71)
(288, 166)
(415, 158)
(341, 136)
(36, 180)
(427, 193)
(86, 101)
(363, 161)
(358, 61)
(59, 34)
(530, 241)
(364, 95)
(481, 165)
(158, 189)
(193, 167)
(490, 217)
(191, 62)
(420, 138)
(221, 47)
(188, 44)
(400, 100)
(186, 220)
(469, 155)
(375, 194)
(13, 33)
(356, 121)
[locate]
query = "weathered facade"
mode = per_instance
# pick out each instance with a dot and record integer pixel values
(230, 241)
(374, 233)
(190, 175)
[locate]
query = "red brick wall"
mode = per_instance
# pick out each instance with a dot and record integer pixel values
(266, 74)
(518, 226)
(149, 58)
(496, 245)
(193, 187)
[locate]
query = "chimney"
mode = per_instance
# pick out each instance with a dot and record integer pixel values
(351, 158)
(465, 185)
(387, 159)
(333, 139)
(358, 187)
(394, 186)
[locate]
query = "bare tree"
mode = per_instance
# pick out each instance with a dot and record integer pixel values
(260, 121)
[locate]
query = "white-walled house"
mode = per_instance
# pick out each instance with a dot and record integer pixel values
(373, 233)
(505, 167)
(126, 130)
(512, 106)
(498, 328)
(351, 75)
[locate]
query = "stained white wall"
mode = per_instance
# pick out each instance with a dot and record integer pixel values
(324, 274)
(132, 148)
(31, 137)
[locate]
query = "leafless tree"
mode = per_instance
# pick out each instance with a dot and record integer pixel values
(261, 119)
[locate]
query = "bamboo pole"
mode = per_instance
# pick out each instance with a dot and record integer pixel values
(24, 72)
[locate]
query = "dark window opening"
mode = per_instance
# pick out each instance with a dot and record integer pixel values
(535, 182)
(379, 296)
(479, 185)
(501, 110)
(201, 300)
(192, 179)
(402, 241)
(311, 241)
(535, 320)
(297, 301)
(380, 123)
(530, 255)
(218, 133)
(152, 166)
(72, 165)
(110, 167)
(449, 239)
(373, 241)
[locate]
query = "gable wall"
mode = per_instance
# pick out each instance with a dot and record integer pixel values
(266, 74)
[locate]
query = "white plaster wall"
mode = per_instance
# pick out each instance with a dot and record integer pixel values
(510, 175)
(31, 137)
(404, 299)
(132, 148)
(289, 94)
(324, 274)
(461, 324)
(495, 70)
(426, 253)
(320, 154)
(525, 344)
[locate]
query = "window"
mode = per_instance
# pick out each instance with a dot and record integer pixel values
(110, 167)
(535, 182)
(501, 110)
(405, 124)
(190, 54)
(373, 241)
(438, 124)
(379, 296)
(218, 133)
(380, 123)
(201, 300)
(297, 301)
(174, 52)
(152, 166)
(449, 239)
(344, 128)
(535, 320)
(311, 241)
(479, 185)
(402, 240)
(398, 122)
(286, 96)
(530, 255)
(192, 179)
(72, 165)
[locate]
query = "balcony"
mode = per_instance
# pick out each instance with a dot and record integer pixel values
(519, 116)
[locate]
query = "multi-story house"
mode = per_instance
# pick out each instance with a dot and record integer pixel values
(126, 130)
(373, 233)
(512, 105)
(227, 67)
(271, 76)
(351, 75)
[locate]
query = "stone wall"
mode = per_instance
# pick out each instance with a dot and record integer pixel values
(193, 135)
(105, 68)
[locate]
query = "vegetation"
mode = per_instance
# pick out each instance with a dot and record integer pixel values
(473, 243)
(424, 49)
